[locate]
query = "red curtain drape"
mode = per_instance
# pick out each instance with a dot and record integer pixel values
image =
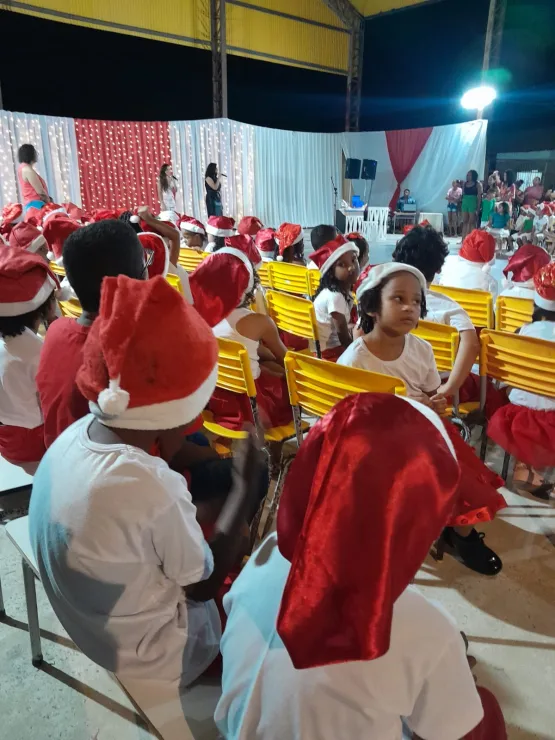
(404, 149)
(119, 162)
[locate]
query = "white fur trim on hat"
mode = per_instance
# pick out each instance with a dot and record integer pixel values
(219, 232)
(431, 415)
(339, 252)
(166, 415)
(21, 307)
(52, 213)
(192, 228)
(244, 259)
(543, 302)
(380, 272)
(36, 244)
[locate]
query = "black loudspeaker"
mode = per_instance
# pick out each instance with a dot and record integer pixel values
(369, 167)
(352, 169)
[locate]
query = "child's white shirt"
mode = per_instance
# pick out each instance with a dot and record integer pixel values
(326, 303)
(460, 273)
(19, 362)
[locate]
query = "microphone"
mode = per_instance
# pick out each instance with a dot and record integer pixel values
(222, 174)
(174, 178)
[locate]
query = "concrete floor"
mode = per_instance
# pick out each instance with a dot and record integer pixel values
(508, 619)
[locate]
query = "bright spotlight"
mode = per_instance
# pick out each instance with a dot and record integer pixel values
(478, 98)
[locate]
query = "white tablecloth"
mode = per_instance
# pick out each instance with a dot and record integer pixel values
(435, 220)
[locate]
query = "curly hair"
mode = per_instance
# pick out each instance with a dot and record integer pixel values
(542, 314)
(249, 297)
(371, 302)
(329, 281)
(126, 217)
(13, 326)
(424, 248)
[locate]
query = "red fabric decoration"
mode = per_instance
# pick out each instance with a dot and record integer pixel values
(373, 483)
(407, 228)
(404, 148)
(119, 162)
(527, 434)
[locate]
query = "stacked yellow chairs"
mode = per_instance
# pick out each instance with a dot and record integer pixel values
(175, 282)
(190, 259)
(314, 281)
(289, 278)
(235, 375)
(264, 275)
(315, 386)
(57, 269)
(512, 313)
(71, 309)
(524, 363)
(477, 303)
(294, 315)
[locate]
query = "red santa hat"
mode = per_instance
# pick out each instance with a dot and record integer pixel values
(27, 236)
(157, 254)
(394, 503)
(265, 242)
(245, 244)
(34, 215)
(373, 276)
(104, 214)
(143, 338)
(49, 210)
(57, 227)
(250, 226)
(478, 247)
(286, 236)
(190, 224)
(220, 283)
(544, 285)
(526, 262)
(220, 226)
(325, 257)
(26, 282)
(11, 214)
(74, 212)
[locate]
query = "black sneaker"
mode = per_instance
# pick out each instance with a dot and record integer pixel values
(471, 551)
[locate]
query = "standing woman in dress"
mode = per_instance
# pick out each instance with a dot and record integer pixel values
(471, 202)
(34, 192)
(213, 185)
(167, 190)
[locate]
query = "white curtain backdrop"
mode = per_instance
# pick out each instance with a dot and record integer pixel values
(194, 144)
(54, 140)
(448, 155)
(371, 145)
(293, 176)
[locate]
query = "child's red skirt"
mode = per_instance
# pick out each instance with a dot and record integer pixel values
(233, 410)
(333, 354)
(20, 445)
(492, 727)
(526, 433)
(478, 498)
(496, 398)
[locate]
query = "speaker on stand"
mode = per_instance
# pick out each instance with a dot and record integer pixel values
(369, 167)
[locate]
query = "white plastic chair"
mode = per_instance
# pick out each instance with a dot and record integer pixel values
(379, 216)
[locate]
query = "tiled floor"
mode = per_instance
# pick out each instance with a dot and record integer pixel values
(509, 620)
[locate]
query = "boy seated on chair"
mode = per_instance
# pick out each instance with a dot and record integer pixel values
(120, 552)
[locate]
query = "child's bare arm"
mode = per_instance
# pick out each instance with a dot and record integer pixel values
(342, 328)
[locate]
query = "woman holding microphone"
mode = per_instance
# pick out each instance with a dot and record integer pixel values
(167, 190)
(213, 185)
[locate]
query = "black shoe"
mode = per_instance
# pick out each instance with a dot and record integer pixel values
(471, 551)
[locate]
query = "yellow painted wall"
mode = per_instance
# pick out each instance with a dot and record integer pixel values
(250, 33)
(373, 7)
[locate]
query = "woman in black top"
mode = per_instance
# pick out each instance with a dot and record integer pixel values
(213, 185)
(471, 202)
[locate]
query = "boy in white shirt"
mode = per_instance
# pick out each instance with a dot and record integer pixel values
(471, 267)
(325, 637)
(121, 554)
(540, 225)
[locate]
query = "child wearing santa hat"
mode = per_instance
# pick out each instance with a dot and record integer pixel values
(391, 300)
(249, 226)
(521, 268)
(25, 235)
(223, 288)
(218, 228)
(266, 244)
(10, 216)
(290, 244)
(526, 427)
(57, 227)
(27, 299)
(333, 303)
(193, 232)
(471, 267)
(326, 637)
(133, 580)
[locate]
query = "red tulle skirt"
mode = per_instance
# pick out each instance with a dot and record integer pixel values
(527, 434)
(496, 398)
(478, 499)
(20, 445)
(233, 410)
(333, 354)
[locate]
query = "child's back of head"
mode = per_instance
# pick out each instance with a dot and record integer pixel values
(424, 248)
(321, 235)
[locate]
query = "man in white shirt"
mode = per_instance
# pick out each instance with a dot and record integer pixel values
(121, 555)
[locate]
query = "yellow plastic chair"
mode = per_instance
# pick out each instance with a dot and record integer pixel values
(477, 303)
(289, 278)
(175, 282)
(264, 274)
(512, 313)
(314, 280)
(57, 269)
(315, 386)
(524, 363)
(190, 259)
(235, 375)
(71, 309)
(295, 315)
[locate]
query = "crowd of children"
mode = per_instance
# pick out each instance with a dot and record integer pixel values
(108, 407)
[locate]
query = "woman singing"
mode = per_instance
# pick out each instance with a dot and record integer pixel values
(31, 185)
(213, 184)
(167, 190)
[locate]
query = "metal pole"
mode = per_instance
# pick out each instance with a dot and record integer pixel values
(223, 56)
(494, 38)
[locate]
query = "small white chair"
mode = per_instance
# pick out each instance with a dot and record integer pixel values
(188, 715)
(379, 216)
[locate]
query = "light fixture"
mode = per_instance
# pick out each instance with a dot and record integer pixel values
(478, 98)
